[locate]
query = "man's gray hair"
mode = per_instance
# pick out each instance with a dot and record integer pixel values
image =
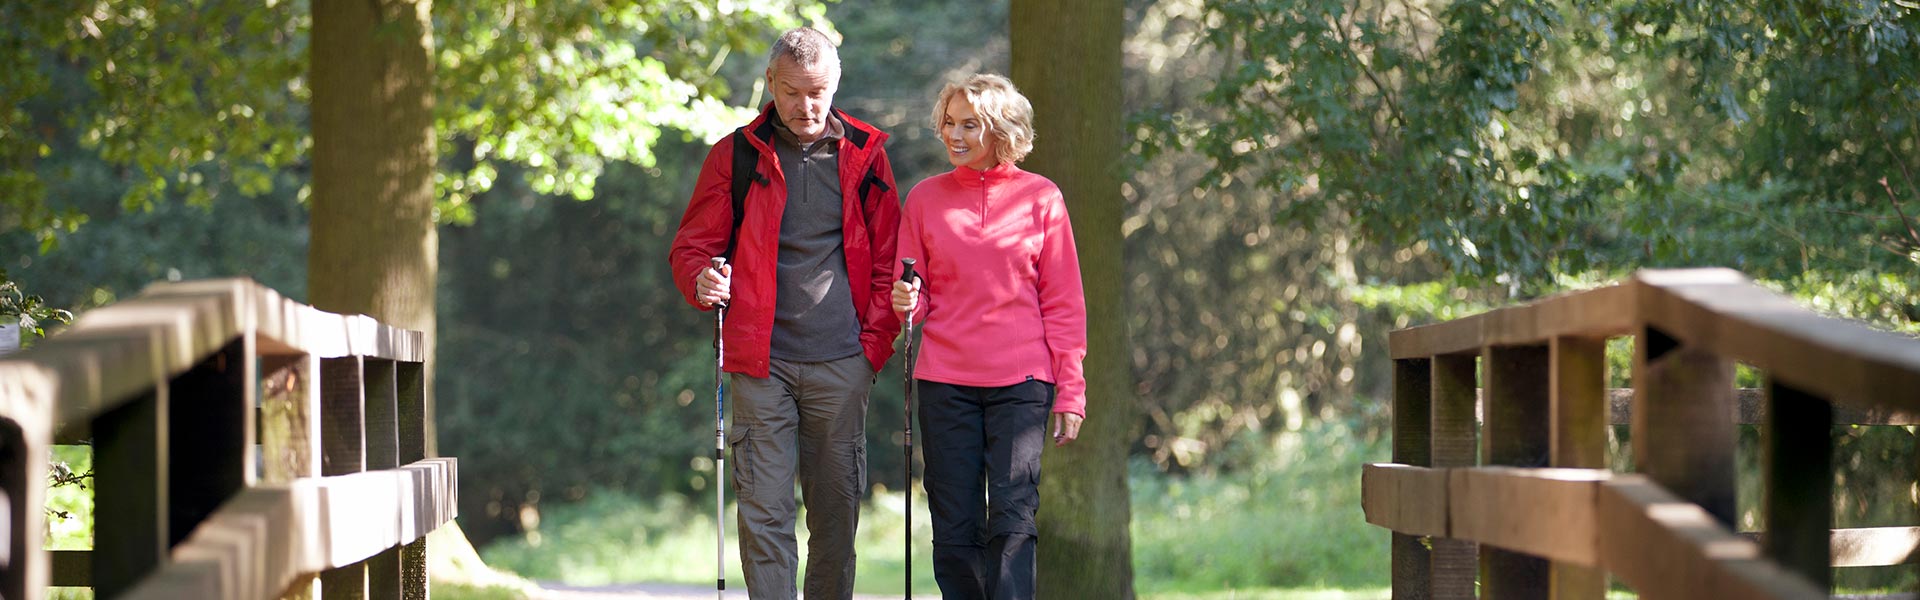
(806, 46)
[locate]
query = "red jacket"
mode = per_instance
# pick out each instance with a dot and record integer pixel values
(871, 220)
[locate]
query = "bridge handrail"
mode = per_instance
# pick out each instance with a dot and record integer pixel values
(234, 431)
(1718, 309)
(1540, 370)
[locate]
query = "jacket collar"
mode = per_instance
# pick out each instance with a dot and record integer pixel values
(994, 175)
(863, 137)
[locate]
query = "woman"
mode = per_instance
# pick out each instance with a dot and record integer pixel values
(1003, 339)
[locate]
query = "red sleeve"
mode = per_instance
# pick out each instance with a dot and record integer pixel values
(708, 222)
(880, 326)
(1063, 307)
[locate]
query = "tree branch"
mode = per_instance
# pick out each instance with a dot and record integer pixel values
(1895, 201)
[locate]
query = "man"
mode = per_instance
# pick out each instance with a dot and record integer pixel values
(810, 322)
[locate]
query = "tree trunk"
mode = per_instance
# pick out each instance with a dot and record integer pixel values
(374, 249)
(1066, 59)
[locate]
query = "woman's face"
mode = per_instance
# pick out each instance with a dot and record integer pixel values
(966, 138)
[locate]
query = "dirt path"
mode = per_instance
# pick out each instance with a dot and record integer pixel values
(668, 591)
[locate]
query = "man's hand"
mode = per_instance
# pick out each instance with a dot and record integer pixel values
(711, 286)
(906, 296)
(1066, 428)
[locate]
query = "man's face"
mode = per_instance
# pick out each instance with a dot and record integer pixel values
(802, 95)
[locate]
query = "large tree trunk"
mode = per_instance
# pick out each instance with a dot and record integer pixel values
(1066, 59)
(373, 248)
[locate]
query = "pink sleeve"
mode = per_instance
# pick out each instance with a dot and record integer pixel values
(1063, 307)
(909, 245)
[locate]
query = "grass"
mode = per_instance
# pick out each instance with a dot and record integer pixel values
(1289, 527)
(1286, 527)
(609, 538)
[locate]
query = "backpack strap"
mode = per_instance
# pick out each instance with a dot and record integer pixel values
(746, 172)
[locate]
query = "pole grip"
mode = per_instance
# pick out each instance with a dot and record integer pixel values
(718, 263)
(906, 270)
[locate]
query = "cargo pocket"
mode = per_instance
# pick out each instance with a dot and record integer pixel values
(742, 459)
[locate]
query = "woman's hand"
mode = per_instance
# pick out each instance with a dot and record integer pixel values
(1066, 428)
(906, 296)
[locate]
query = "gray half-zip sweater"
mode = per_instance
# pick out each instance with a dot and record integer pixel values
(813, 315)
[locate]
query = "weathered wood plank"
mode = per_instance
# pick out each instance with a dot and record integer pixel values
(71, 568)
(1750, 408)
(343, 446)
(131, 474)
(1867, 546)
(1666, 547)
(1455, 563)
(1541, 512)
(1844, 361)
(1412, 445)
(1515, 434)
(210, 430)
(1797, 462)
(1681, 435)
(115, 353)
(289, 327)
(382, 414)
(271, 536)
(1598, 312)
(1578, 416)
(18, 470)
(1404, 498)
(1875, 546)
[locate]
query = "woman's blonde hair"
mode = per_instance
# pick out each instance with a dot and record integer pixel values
(1007, 114)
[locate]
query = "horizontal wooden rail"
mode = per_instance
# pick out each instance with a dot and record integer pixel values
(1750, 408)
(1587, 517)
(1716, 309)
(324, 523)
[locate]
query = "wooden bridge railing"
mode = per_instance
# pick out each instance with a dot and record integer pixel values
(1517, 491)
(244, 446)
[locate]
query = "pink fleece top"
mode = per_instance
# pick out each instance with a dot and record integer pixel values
(1000, 294)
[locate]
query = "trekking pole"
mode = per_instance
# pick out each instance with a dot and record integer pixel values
(906, 274)
(719, 443)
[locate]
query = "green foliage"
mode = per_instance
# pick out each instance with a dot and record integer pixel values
(30, 312)
(1521, 139)
(209, 97)
(70, 499)
(455, 591)
(1397, 114)
(560, 89)
(1290, 521)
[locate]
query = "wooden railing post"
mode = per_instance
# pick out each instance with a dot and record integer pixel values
(344, 452)
(1577, 381)
(210, 427)
(129, 492)
(1412, 445)
(410, 383)
(383, 452)
(1798, 439)
(1455, 437)
(290, 431)
(1516, 435)
(1683, 433)
(17, 473)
